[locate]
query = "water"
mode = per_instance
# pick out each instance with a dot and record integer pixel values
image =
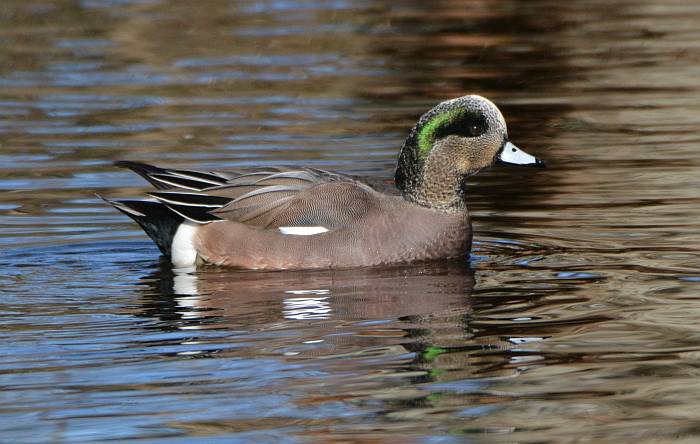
(575, 320)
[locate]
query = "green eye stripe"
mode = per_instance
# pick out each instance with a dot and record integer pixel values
(432, 129)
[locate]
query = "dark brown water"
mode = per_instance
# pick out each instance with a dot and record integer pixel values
(577, 319)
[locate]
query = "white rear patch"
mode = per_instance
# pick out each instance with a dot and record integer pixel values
(182, 251)
(303, 231)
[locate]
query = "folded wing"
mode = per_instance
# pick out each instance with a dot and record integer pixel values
(270, 198)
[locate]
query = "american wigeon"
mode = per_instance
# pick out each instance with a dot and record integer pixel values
(298, 218)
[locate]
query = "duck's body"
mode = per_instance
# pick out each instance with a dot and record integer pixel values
(283, 218)
(386, 229)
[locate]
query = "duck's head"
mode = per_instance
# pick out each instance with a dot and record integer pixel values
(454, 140)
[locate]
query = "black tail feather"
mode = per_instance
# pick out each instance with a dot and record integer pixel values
(158, 221)
(164, 179)
(144, 170)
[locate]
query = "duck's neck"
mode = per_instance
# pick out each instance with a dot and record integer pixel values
(436, 181)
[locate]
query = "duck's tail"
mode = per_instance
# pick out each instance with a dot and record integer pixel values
(172, 222)
(158, 221)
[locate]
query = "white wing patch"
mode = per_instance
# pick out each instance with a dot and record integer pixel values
(302, 231)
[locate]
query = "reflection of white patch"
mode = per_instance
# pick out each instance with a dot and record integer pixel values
(513, 154)
(187, 295)
(182, 251)
(191, 306)
(184, 282)
(527, 358)
(307, 308)
(319, 291)
(525, 339)
(303, 231)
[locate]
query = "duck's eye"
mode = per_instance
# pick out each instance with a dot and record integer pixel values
(476, 130)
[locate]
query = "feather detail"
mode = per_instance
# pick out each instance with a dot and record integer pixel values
(190, 199)
(273, 197)
(175, 181)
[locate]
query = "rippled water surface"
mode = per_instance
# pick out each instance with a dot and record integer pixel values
(577, 318)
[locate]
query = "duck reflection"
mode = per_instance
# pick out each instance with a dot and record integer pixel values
(255, 299)
(371, 317)
(422, 320)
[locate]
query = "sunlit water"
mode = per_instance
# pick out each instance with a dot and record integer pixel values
(576, 320)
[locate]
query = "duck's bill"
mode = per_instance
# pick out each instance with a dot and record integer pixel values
(512, 155)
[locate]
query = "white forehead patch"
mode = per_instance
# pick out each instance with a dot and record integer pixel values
(501, 119)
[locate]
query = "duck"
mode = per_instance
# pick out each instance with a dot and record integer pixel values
(282, 218)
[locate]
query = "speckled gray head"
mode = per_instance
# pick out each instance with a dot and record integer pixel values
(453, 140)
